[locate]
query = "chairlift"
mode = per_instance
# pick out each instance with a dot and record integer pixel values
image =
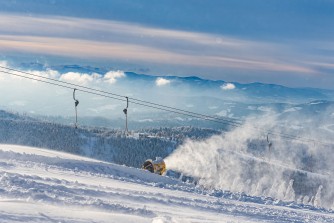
(125, 110)
(269, 146)
(76, 103)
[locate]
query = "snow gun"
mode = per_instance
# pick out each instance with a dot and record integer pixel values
(156, 166)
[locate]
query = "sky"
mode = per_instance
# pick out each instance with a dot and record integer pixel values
(271, 41)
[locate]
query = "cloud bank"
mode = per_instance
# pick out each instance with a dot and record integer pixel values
(161, 81)
(161, 50)
(112, 76)
(227, 86)
(31, 96)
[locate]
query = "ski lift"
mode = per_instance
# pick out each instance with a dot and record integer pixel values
(136, 135)
(76, 103)
(269, 146)
(125, 110)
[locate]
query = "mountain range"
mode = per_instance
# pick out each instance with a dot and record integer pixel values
(229, 101)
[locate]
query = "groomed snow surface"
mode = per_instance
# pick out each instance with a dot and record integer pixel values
(39, 185)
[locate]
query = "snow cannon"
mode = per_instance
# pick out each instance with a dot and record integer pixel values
(156, 166)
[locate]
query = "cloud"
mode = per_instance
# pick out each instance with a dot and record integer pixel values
(161, 50)
(112, 76)
(119, 30)
(73, 77)
(162, 81)
(3, 63)
(78, 78)
(105, 39)
(46, 99)
(82, 78)
(47, 74)
(227, 86)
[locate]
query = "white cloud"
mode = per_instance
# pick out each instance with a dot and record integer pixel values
(228, 86)
(161, 81)
(47, 73)
(120, 42)
(81, 78)
(77, 78)
(112, 76)
(96, 76)
(3, 63)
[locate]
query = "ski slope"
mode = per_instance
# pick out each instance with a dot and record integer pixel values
(39, 185)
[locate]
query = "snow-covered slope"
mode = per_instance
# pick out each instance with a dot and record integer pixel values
(39, 185)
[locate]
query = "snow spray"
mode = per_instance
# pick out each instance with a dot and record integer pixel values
(241, 161)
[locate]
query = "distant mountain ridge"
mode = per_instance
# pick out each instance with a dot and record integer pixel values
(252, 91)
(209, 97)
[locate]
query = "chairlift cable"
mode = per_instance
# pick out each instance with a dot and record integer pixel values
(229, 120)
(120, 99)
(149, 104)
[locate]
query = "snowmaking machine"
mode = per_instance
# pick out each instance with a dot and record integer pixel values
(156, 166)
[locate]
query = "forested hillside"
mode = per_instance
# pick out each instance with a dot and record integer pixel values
(105, 144)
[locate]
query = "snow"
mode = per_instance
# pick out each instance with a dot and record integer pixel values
(39, 185)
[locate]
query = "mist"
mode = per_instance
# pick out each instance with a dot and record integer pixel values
(241, 160)
(38, 98)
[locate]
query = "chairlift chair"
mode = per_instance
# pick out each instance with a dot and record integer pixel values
(76, 103)
(125, 110)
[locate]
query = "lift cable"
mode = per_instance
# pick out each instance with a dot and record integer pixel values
(235, 123)
(229, 120)
(119, 99)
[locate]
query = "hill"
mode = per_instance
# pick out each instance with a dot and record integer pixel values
(40, 185)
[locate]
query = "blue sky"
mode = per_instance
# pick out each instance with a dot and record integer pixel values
(288, 42)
